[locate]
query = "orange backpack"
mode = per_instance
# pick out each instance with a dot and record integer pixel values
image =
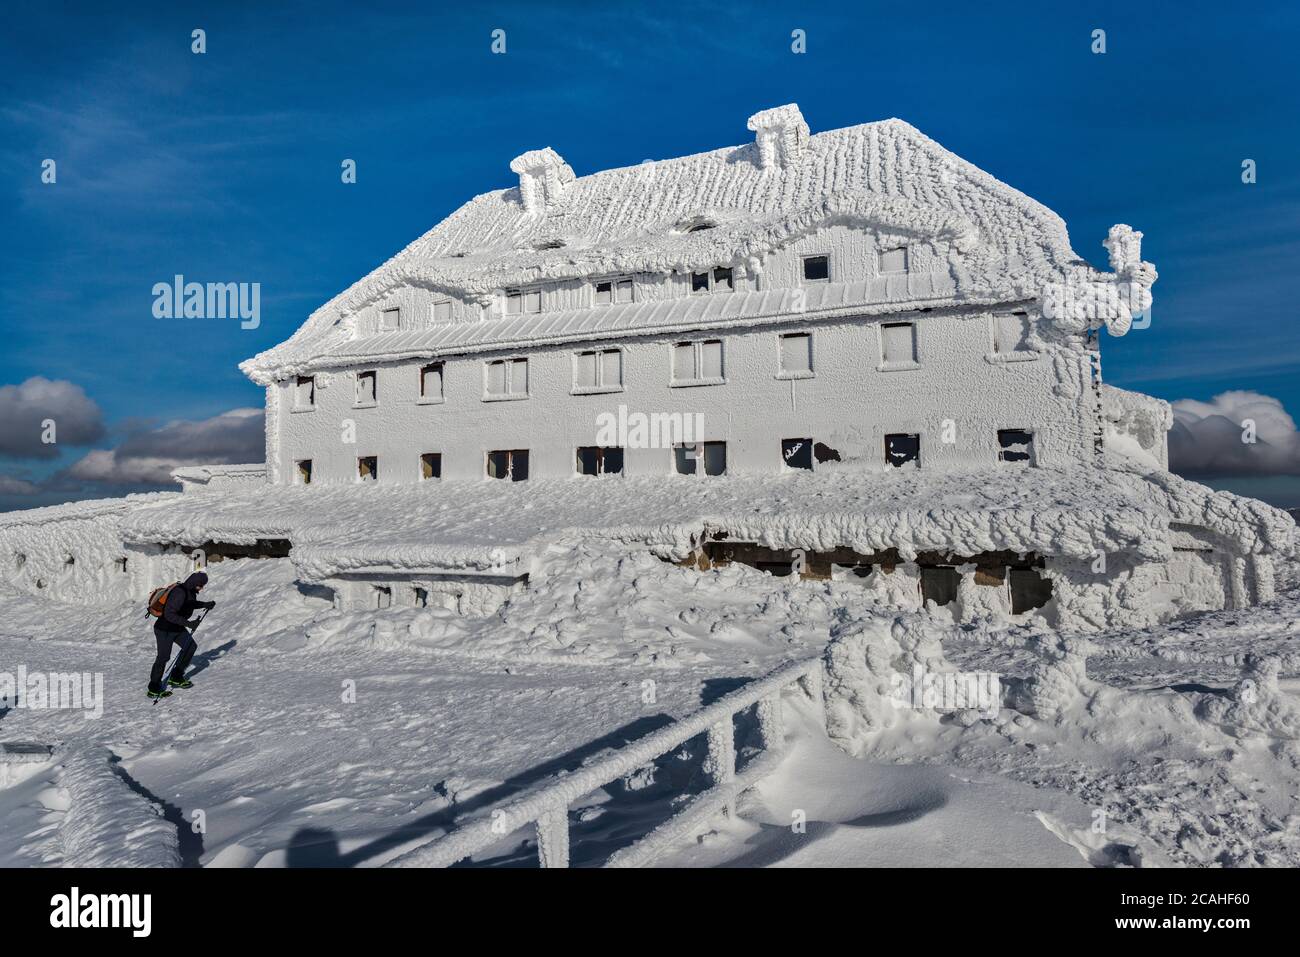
(158, 599)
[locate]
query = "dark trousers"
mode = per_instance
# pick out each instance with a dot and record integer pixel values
(165, 641)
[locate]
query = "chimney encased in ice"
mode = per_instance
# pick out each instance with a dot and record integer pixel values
(781, 135)
(543, 175)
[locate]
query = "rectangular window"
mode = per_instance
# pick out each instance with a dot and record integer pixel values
(613, 290)
(1011, 333)
(702, 458)
(797, 453)
(304, 471)
(712, 280)
(507, 379)
(898, 344)
(390, 319)
(383, 597)
(431, 465)
(796, 354)
(1016, 445)
(368, 468)
(722, 279)
(442, 310)
(893, 260)
(816, 268)
(509, 464)
(431, 382)
(304, 392)
(699, 282)
(367, 388)
(523, 300)
(903, 449)
(419, 596)
(598, 370)
(594, 460)
(698, 363)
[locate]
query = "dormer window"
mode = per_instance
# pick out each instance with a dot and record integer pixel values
(613, 290)
(523, 301)
(390, 320)
(712, 280)
(893, 260)
(816, 268)
(442, 310)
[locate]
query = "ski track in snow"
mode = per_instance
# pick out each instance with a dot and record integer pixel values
(452, 716)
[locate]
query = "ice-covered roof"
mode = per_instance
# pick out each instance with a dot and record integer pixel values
(458, 526)
(884, 175)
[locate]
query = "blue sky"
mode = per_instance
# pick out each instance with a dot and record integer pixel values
(225, 166)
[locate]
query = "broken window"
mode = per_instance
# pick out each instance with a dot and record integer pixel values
(509, 464)
(697, 363)
(796, 354)
(816, 268)
(1015, 445)
(596, 460)
(442, 310)
(598, 370)
(304, 393)
(702, 458)
(898, 343)
(304, 471)
(699, 282)
(367, 388)
(430, 465)
(390, 320)
(419, 596)
(939, 584)
(1029, 590)
(431, 382)
(1011, 333)
(523, 301)
(507, 378)
(797, 453)
(368, 468)
(902, 448)
(382, 597)
(893, 260)
(722, 279)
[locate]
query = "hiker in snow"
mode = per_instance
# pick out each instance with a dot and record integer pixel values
(182, 600)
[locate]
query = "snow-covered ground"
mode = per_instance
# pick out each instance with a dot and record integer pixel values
(317, 737)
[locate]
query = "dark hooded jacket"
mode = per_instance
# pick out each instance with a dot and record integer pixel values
(181, 602)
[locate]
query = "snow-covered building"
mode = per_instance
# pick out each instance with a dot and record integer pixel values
(849, 353)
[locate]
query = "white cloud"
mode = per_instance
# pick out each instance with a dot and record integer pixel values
(25, 409)
(1209, 438)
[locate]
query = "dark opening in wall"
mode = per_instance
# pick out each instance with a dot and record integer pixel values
(368, 468)
(939, 584)
(431, 465)
(902, 449)
(816, 268)
(220, 551)
(1015, 445)
(797, 453)
(596, 460)
(702, 458)
(1029, 590)
(509, 464)
(421, 596)
(824, 453)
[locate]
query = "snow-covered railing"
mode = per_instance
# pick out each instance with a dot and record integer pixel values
(548, 808)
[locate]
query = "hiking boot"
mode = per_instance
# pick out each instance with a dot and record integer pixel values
(180, 682)
(159, 694)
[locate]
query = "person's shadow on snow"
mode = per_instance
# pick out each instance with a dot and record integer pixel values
(203, 659)
(313, 847)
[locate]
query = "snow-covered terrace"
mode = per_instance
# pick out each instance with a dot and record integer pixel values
(471, 527)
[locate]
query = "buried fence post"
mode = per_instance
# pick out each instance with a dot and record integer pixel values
(553, 837)
(721, 762)
(771, 722)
